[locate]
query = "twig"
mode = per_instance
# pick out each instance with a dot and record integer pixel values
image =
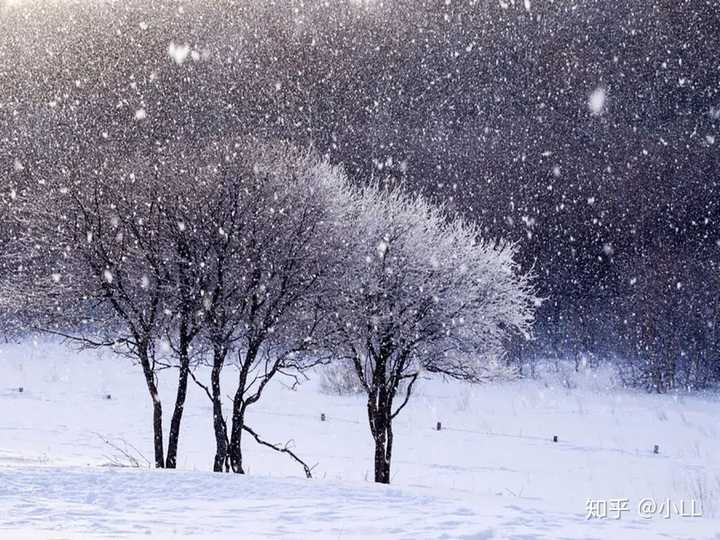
(79, 339)
(200, 384)
(124, 452)
(283, 449)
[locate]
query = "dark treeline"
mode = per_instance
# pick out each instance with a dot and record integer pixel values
(482, 105)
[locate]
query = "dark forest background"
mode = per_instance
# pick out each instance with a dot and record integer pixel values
(483, 105)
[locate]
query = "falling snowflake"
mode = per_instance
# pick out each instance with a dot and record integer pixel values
(179, 53)
(382, 248)
(597, 100)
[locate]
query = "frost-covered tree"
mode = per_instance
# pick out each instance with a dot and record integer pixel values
(420, 292)
(270, 252)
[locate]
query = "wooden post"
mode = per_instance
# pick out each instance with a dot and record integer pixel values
(656, 449)
(322, 417)
(439, 426)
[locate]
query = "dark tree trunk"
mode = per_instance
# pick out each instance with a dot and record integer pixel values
(185, 337)
(157, 407)
(380, 418)
(174, 436)
(238, 413)
(235, 450)
(158, 433)
(383, 451)
(221, 463)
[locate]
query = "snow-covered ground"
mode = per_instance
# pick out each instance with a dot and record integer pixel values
(491, 472)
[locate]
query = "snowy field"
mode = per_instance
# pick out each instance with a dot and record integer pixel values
(491, 472)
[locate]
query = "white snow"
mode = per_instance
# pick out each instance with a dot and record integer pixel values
(491, 472)
(596, 101)
(178, 52)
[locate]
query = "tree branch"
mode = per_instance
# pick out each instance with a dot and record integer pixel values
(283, 449)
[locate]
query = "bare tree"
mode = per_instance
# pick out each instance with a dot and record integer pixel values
(420, 292)
(117, 269)
(671, 332)
(277, 212)
(101, 234)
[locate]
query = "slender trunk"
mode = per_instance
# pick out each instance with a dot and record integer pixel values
(185, 337)
(158, 433)
(157, 407)
(174, 436)
(381, 429)
(238, 412)
(388, 449)
(383, 454)
(221, 462)
(235, 450)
